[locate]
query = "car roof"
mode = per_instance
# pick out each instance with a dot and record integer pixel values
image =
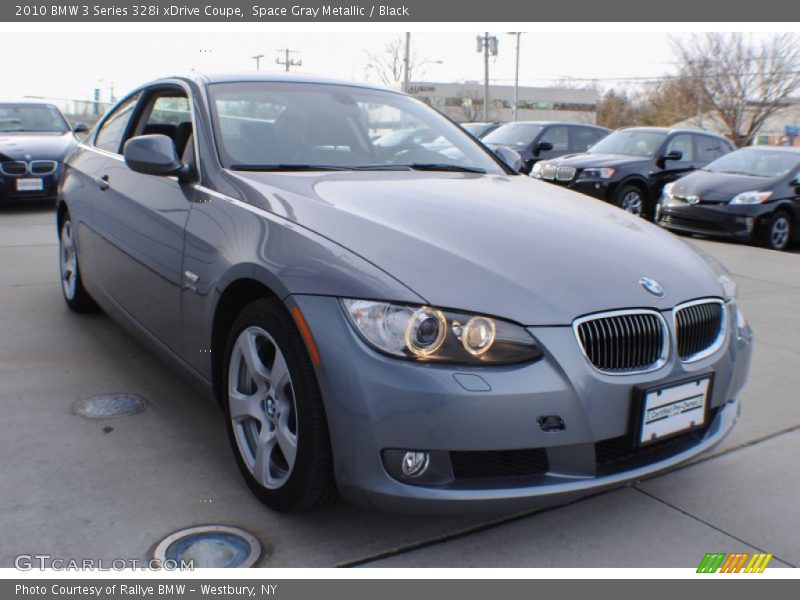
(31, 101)
(669, 130)
(770, 148)
(556, 123)
(274, 77)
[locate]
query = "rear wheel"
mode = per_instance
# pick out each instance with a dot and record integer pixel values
(75, 295)
(276, 420)
(779, 231)
(631, 199)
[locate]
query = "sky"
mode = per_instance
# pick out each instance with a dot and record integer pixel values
(71, 65)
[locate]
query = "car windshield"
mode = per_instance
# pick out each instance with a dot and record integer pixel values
(305, 126)
(773, 164)
(520, 135)
(32, 117)
(630, 143)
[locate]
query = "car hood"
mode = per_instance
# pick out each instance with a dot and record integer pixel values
(35, 146)
(585, 160)
(499, 245)
(719, 187)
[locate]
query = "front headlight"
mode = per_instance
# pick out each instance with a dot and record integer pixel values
(431, 334)
(751, 198)
(599, 173)
(536, 171)
(666, 191)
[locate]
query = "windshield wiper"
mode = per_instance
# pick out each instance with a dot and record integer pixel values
(286, 167)
(444, 167)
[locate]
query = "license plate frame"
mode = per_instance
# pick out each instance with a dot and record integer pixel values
(30, 184)
(652, 398)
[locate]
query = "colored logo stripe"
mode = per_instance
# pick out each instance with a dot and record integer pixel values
(734, 563)
(758, 563)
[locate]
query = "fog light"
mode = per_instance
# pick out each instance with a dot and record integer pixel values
(415, 463)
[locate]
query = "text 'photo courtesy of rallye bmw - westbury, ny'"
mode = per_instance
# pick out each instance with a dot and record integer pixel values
(138, 590)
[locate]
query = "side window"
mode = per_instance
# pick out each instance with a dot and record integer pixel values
(682, 143)
(558, 136)
(109, 136)
(582, 138)
(709, 148)
(168, 114)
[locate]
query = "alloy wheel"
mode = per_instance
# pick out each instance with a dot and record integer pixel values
(69, 260)
(632, 203)
(262, 407)
(779, 233)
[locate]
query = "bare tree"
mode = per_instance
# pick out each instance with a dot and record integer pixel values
(740, 81)
(471, 107)
(615, 109)
(388, 65)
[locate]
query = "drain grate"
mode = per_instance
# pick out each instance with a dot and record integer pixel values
(110, 406)
(210, 546)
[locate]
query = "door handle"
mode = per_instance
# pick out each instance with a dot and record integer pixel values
(102, 183)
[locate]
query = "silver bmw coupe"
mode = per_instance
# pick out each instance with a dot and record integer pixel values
(410, 325)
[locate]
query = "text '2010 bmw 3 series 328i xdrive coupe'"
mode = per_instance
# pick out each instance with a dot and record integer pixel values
(413, 329)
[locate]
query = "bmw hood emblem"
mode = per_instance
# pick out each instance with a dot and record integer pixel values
(652, 286)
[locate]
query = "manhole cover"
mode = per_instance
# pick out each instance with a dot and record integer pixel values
(217, 546)
(108, 406)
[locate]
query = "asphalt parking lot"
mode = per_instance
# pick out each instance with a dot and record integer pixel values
(77, 488)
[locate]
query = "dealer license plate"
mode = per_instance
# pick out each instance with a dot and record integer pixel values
(674, 409)
(34, 184)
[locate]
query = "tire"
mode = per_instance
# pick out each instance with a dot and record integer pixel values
(778, 235)
(630, 198)
(269, 421)
(75, 294)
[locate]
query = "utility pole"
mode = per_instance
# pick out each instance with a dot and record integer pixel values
(516, 78)
(406, 62)
(488, 45)
(258, 58)
(288, 62)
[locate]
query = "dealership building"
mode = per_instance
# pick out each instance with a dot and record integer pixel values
(464, 102)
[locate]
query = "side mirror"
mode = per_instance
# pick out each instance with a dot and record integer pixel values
(152, 155)
(510, 157)
(542, 147)
(80, 128)
(674, 155)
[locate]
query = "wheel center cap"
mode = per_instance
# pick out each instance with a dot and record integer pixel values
(271, 407)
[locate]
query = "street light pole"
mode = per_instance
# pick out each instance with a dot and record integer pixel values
(516, 78)
(258, 58)
(486, 77)
(406, 62)
(489, 46)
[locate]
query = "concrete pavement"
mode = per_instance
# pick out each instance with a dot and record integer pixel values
(74, 489)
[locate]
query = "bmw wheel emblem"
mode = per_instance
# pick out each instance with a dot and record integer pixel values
(652, 286)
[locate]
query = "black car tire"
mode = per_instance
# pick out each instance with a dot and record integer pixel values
(623, 196)
(310, 483)
(72, 288)
(779, 232)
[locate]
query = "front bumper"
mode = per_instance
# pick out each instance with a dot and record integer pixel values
(602, 189)
(375, 403)
(9, 192)
(743, 222)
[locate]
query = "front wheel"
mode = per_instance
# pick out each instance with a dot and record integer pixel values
(275, 415)
(779, 231)
(75, 295)
(630, 199)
